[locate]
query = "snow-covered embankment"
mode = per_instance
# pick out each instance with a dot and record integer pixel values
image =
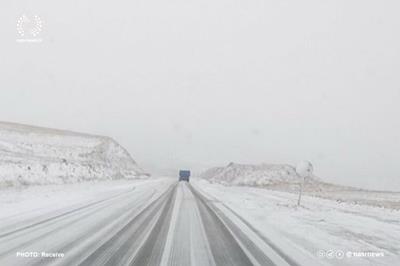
(37, 156)
(254, 175)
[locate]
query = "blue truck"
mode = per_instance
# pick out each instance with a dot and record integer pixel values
(184, 175)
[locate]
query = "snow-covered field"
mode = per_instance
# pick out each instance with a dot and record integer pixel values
(321, 231)
(36, 156)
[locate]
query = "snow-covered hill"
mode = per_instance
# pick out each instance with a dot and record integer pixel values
(36, 156)
(275, 176)
(253, 175)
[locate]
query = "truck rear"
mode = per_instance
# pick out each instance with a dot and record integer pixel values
(184, 175)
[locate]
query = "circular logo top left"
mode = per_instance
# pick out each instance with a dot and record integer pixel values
(29, 26)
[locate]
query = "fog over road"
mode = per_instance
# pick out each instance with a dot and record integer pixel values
(168, 223)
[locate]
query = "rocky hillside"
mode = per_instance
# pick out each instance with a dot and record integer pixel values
(36, 156)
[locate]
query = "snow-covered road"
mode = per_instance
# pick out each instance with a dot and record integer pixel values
(159, 221)
(153, 223)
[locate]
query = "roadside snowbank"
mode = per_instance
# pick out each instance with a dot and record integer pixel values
(37, 156)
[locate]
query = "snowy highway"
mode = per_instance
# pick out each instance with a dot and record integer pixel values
(160, 223)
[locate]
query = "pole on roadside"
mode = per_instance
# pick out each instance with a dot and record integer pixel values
(303, 169)
(301, 190)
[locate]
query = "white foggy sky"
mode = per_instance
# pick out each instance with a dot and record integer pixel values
(203, 83)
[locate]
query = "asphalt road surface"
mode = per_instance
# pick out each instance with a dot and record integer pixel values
(173, 224)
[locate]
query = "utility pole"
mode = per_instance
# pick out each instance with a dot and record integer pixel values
(301, 190)
(303, 169)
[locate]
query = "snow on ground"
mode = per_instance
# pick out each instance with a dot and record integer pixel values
(27, 201)
(319, 230)
(36, 156)
(282, 177)
(254, 175)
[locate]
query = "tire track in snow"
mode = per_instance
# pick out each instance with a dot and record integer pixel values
(152, 249)
(224, 247)
(114, 248)
(179, 227)
(267, 241)
(172, 227)
(45, 220)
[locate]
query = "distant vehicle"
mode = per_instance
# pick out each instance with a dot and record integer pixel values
(184, 175)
